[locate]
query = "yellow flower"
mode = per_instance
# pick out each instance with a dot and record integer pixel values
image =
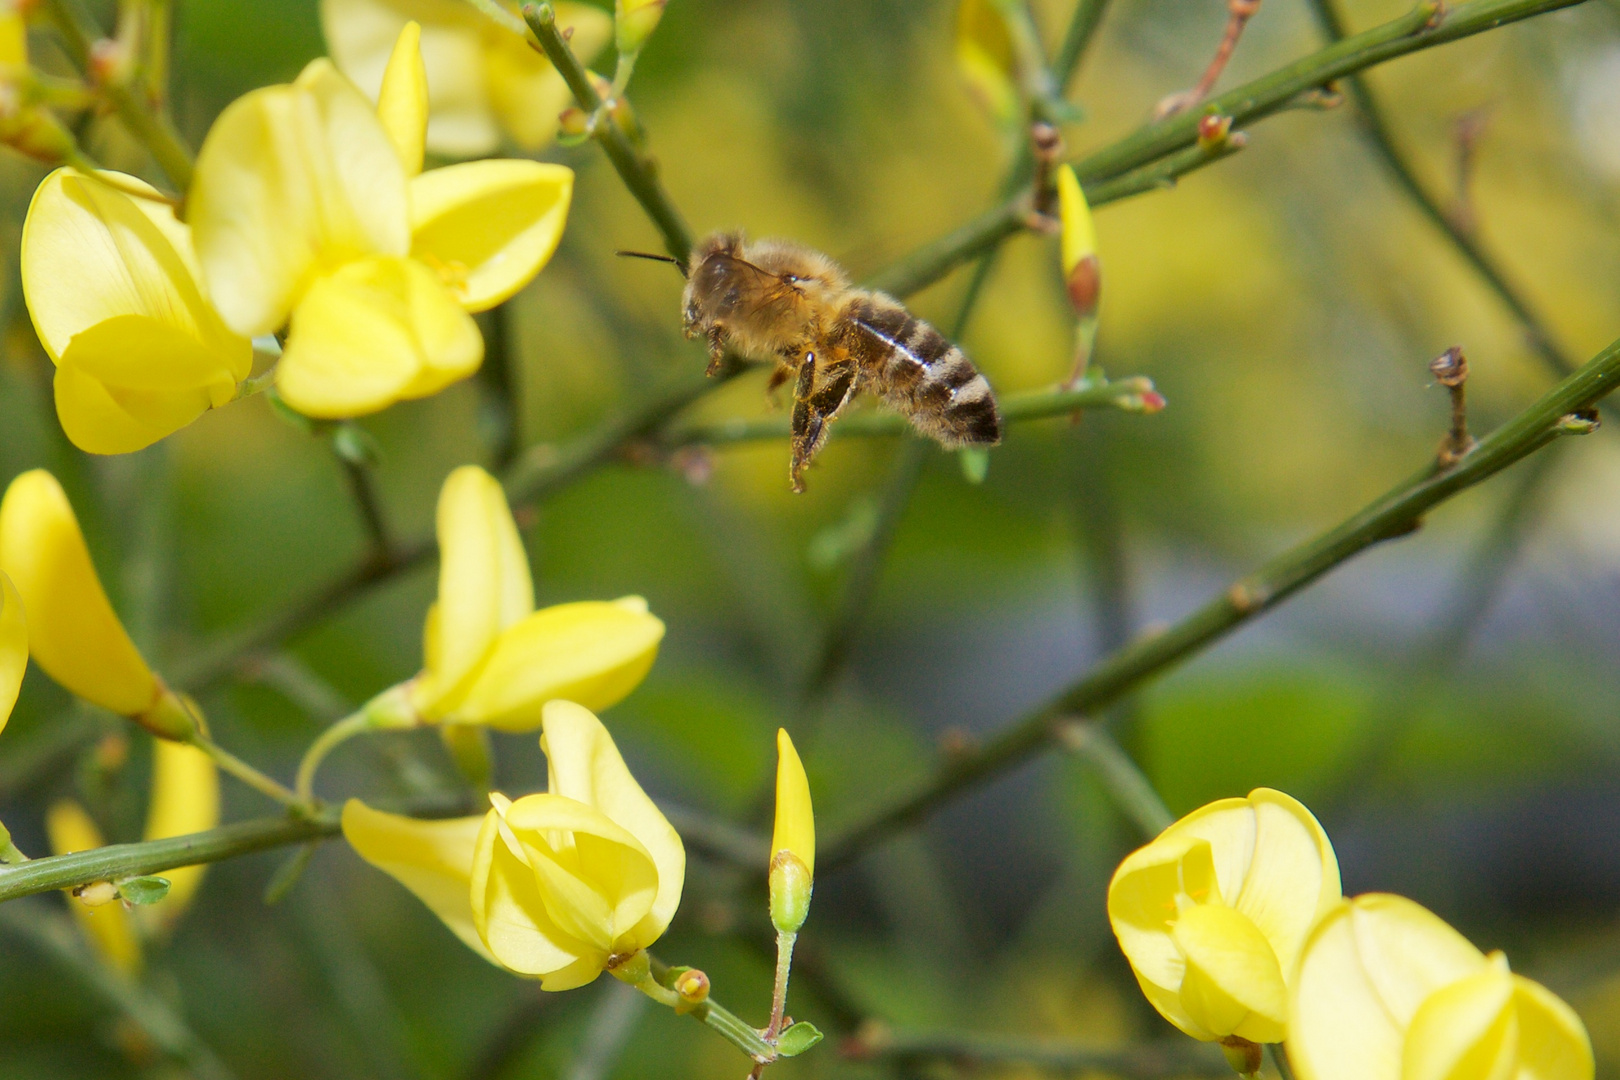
(13, 34)
(106, 924)
(73, 632)
(308, 210)
(986, 58)
(1213, 913)
(793, 840)
(13, 647)
(482, 78)
(1387, 991)
(185, 799)
(490, 657)
(633, 23)
(112, 286)
(560, 886)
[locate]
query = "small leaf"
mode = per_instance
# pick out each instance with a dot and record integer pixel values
(975, 463)
(144, 890)
(287, 874)
(837, 542)
(797, 1039)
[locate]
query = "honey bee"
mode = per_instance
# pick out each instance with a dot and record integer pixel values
(779, 302)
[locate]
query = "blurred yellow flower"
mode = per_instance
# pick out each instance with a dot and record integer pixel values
(490, 657)
(112, 286)
(184, 800)
(986, 58)
(1387, 991)
(482, 78)
(13, 34)
(308, 210)
(13, 647)
(1212, 914)
(560, 886)
(793, 840)
(633, 23)
(73, 633)
(98, 912)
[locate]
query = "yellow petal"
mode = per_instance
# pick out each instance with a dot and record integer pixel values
(107, 927)
(1079, 235)
(99, 420)
(13, 647)
(596, 879)
(91, 253)
(489, 227)
(984, 56)
(1465, 1031)
(484, 583)
(185, 800)
(591, 652)
(1232, 985)
(293, 182)
(402, 102)
(72, 631)
(1366, 968)
(433, 859)
(1553, 1043)
(1146, 896)
(583, 764)
(524, 91)
(795, 829)
(512, 919)
(376, 331)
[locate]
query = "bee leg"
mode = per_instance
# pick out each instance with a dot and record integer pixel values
(717, 350)
(779, 375)
(814, 409)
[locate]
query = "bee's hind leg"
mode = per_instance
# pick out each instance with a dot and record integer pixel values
(814, 409)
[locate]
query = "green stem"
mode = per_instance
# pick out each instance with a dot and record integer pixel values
(342, 731)
(1082, 28)
(635, 168)
(1124, 781)
(154, 131)
(1126, 394)
(779, 988)
(711, 1013)
(1395, 514)
(246, 773)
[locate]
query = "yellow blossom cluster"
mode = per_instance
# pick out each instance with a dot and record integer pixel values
(310, 218)
(1234, 925)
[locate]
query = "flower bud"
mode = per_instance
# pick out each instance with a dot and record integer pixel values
(96, 894)
(633, 23)
(1242, 1055)
(793, 841)
(1213, 131)
(985, 57)
(573, 123)
(32, 129)
(103, 922)
(693, 986)
(1082, 274)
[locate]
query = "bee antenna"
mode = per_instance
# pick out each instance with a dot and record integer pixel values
(678, 264)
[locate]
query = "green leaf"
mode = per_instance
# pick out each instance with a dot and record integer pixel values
(797, 1039)
(144, 890)
(287, 874)
(975, 463)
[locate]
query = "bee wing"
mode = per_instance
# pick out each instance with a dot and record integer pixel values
(771, 285)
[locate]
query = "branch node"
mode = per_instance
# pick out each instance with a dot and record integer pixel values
(1450, 370)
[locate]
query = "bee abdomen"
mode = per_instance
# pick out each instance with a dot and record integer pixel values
(918, 371)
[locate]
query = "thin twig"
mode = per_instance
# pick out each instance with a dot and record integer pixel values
(1121, 777)
(619, 1008)
(1238, 14)
(363, 490)
(636, 169)
(1395, 514)
(1082, 28)
(1375, 128)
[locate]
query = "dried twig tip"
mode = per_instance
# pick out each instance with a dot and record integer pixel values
(1450, 368)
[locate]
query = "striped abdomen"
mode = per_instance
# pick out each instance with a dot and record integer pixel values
(917, 371)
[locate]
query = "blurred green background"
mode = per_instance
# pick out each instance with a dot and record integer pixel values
(1285, 301)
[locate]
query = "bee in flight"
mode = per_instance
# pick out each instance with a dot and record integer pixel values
(781, 303)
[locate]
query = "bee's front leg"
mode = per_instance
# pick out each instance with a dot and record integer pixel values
(786, 366)
(814, 408)
(717, 349)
